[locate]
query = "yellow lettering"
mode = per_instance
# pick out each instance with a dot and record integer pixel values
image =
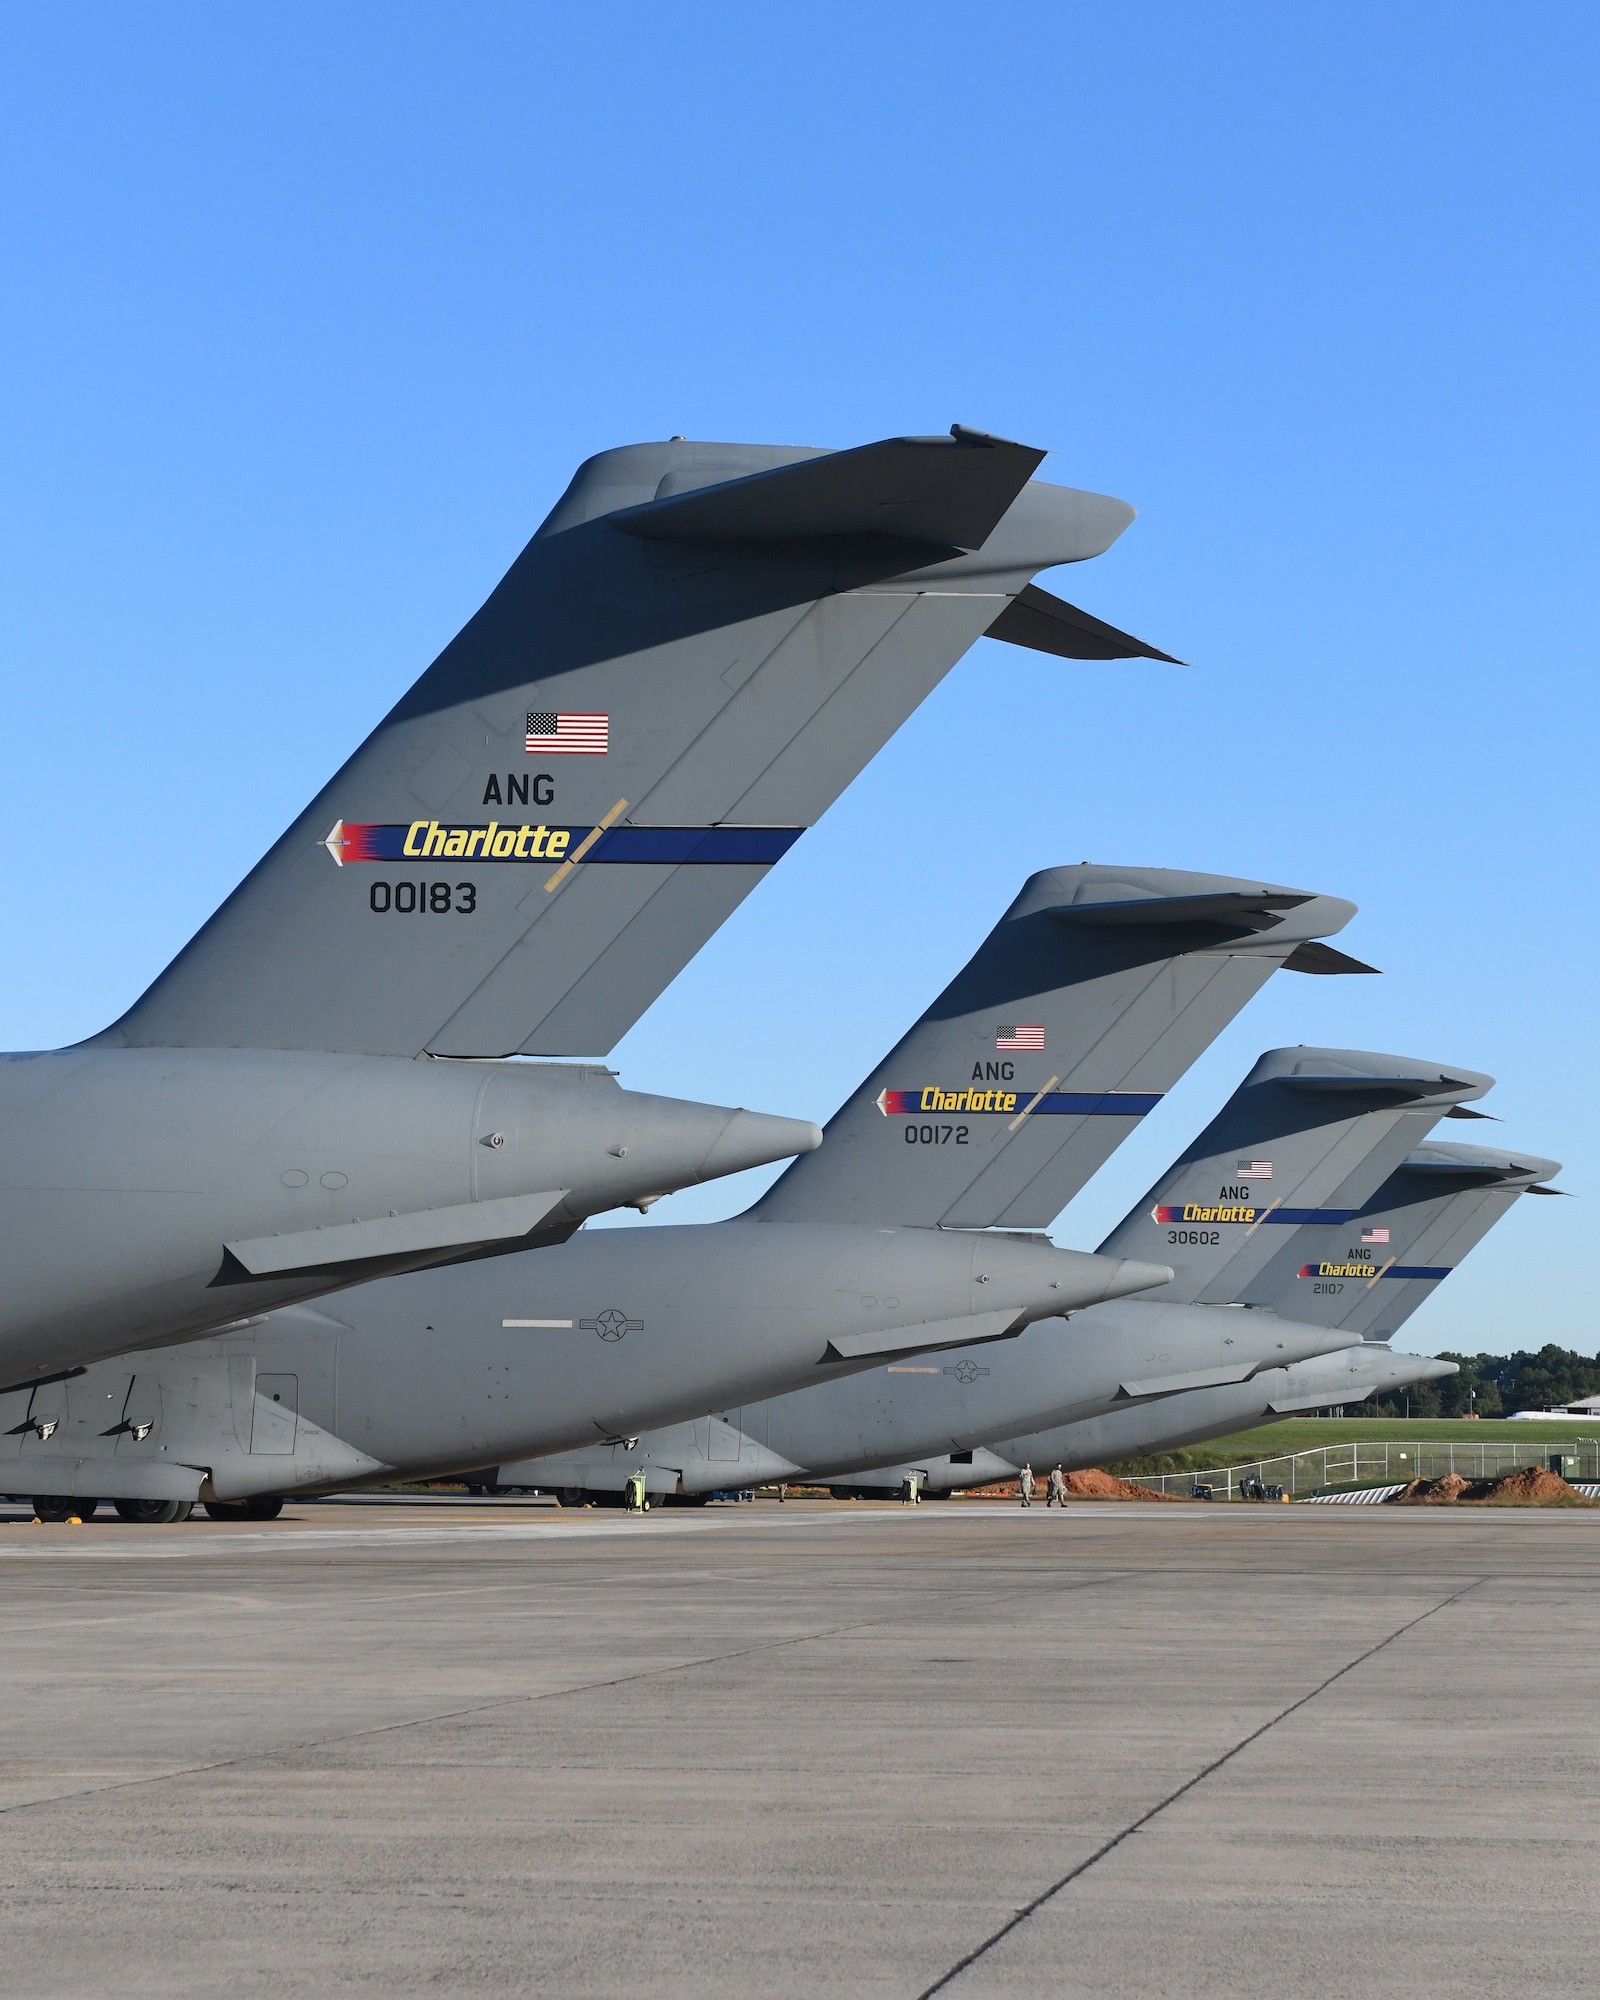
(521, 848)
(504, 841)
(434, 844)
(455, 841)
(1010, 1103)
(557, 845)
(478, 833)
(924, 1105)
(412, 831)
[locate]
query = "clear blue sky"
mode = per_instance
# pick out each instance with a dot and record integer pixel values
(310, 311)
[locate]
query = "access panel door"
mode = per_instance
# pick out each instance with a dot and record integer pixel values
(276, 1414)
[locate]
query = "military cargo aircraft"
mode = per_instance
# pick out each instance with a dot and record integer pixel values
(696, 652)
(1392, 1253)
(1299, 1145)
(1347, 1375)
(1088, 999)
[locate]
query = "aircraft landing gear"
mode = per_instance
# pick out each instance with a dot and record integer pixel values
(56, 1507)
(154, 1513)
(260, 1507)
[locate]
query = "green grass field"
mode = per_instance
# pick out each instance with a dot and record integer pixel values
(1307, 1433)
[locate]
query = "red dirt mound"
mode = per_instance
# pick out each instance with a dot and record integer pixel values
(1430, 1492)
(1534, 1487)
(1094, 1484)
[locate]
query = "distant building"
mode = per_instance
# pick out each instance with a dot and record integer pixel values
(1586, 1406)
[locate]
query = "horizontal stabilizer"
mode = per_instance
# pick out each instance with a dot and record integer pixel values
(947, 491)
(1315, 956)
(1420, 1086)
(1237, 910)
(1047, 624)
(395, 1236)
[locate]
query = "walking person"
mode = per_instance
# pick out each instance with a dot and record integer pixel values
(1026, 1483)
(1056, 1491)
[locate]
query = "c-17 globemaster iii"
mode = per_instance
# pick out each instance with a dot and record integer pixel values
(1408, 1237)
(1281, 1143)
(700, 647)
(1101, 983)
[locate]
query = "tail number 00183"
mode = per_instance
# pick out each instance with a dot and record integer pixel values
(406, 899)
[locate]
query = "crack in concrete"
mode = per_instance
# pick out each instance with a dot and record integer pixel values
(1020, 1917)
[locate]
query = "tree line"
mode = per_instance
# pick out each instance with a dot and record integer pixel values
(1495, 1385)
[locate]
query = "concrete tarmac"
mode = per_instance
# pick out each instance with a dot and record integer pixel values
(462, 1748)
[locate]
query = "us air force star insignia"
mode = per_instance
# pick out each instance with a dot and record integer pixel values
(611, 1324)
(966, 1372)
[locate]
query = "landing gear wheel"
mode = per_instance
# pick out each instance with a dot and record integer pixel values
(53, 1507)
(262, 1507)
(154, 1513)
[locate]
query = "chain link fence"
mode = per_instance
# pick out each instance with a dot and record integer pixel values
(1338, 1467)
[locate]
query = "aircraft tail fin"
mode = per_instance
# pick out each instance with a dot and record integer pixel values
(1305, 1139)
(1088, 1000)
(699, 649)
(1370, 1274)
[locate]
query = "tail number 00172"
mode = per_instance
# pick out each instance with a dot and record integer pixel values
(936, 1135)
(408, 899)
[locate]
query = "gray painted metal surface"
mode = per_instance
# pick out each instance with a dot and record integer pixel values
(940, 1403)
(1089, 999)
(126, 1174)
(1348, 1376)
(1145, 1018)
(647, 710)
(576, 1344)
(1306, 1138)
(1318, 1123)
(693, 656)
(450, 1369)
(1371, 1274)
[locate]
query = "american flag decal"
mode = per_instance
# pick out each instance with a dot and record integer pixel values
(568, 735)
(1374, 1235)
(1255, 1170)
(1023, 1039)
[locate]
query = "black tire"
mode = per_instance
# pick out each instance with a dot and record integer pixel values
(154, 1513)
(260, 1507)
(57, 1507)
